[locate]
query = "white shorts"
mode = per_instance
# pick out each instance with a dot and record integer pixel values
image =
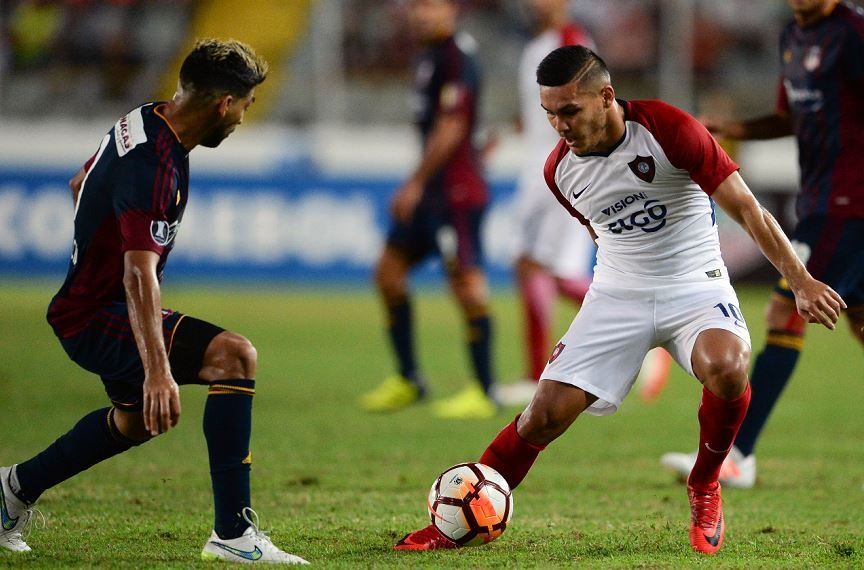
(603, 349)
(549, 235)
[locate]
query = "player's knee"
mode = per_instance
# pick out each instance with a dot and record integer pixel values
(246, 356)
(471, 293)
(390, 283)
(855, 316)
(725, 372)
(542, 425)
(130, 426)
(230, 355)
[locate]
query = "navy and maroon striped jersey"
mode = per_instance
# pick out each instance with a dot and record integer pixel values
(822, 89)
(132, 198)
(448, 81)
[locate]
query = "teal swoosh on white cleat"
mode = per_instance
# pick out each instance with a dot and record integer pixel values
(247, 554)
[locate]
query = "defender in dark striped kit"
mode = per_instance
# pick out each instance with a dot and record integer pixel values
(129, 203)
(821, 91)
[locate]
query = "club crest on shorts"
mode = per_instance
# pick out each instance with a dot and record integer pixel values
(559, 348)
(643, 167)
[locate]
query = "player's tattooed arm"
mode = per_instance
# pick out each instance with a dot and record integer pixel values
(161, 393)
(816, 301)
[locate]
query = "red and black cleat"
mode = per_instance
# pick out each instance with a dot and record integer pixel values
(707, 525)
(429, 538)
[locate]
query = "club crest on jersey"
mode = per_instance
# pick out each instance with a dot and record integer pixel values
(556, 352)
(643, 167)
(162, 232)
(812, 58)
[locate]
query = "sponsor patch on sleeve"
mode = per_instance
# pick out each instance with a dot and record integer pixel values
(160, 232)
(129, 132)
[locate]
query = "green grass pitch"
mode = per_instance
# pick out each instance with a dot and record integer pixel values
(338, 486)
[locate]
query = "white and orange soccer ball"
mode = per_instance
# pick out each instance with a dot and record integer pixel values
(470, 504)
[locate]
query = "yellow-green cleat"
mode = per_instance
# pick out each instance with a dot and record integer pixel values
(469, 404)
(394, 394)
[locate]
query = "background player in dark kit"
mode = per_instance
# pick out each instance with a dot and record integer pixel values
(820, 96)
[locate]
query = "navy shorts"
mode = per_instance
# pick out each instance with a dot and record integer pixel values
(107, 347)
(453, 234)
(833, 250)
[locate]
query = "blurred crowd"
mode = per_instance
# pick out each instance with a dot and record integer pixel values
(102, 56)
(58, 56)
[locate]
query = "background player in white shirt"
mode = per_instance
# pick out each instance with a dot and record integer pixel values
(643, 176)
(555, 254)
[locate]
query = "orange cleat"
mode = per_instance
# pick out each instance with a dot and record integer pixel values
(707, 524)
(429, 538)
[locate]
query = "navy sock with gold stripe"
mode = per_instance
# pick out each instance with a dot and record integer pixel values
(228, 429)
(771, 372)
(93, 439)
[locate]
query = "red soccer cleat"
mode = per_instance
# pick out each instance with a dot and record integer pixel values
(429, 538)
(707, 524)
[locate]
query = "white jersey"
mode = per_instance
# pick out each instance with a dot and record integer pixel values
(537, 135)
(648, 199)
(544, 232)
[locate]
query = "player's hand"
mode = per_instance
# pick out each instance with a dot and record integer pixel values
(161, 403)
(819, 303)
(405, 201)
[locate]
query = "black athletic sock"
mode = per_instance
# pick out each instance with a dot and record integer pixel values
(94, 438)
(228, 429)
(773, 368)
(479, 346)
(400, 329)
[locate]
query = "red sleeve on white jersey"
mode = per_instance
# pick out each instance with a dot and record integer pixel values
(574, 34)
(549, 171)
(687, 143)
(782, 106)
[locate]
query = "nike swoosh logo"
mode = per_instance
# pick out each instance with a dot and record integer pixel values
(580, 193)
(713, 540)
(712, 450)
(7, 521)
(247, 554)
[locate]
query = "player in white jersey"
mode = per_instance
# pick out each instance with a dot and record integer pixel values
(555, 254)
(643, 177)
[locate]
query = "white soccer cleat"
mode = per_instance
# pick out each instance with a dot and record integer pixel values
(518, 393)
(15, 516)
(737, 472)
(252, 547)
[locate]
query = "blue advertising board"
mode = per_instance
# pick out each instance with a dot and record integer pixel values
(293, 224)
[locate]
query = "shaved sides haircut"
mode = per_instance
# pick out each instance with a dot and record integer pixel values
(217, 67)
(570, 63)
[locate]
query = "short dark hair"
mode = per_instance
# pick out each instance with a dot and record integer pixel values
(567, 63)
(217, 67)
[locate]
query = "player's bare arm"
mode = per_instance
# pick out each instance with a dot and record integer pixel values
(816, 302)
(771, 126)
(75, 184)
(450, 129)
(161, 393)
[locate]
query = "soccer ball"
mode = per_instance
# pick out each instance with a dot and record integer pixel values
(470, 504)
